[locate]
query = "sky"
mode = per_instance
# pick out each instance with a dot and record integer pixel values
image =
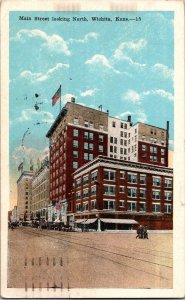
(127, 67)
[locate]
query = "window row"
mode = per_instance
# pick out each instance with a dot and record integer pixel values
(88, 124)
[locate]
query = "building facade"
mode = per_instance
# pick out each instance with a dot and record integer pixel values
(24, 195)
(119, 191)
(40, 191)
(78, 135)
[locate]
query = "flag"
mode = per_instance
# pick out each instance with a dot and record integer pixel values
(20, 167)
(56, 96)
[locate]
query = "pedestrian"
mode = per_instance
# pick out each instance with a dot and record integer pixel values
(145, 232)
(139, 232)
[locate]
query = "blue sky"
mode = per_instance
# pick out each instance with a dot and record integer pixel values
(125, 66)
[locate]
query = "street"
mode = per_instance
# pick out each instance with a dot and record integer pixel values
(54, 259)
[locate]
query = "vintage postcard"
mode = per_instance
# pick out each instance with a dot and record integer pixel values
(92, 149)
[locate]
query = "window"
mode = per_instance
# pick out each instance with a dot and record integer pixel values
(86, 146)
(125, 126)
(75, 121)
(122, 174)
(113, 124)
(78, 195)
(132, 206)
(168, 195)
(100, 138)
(90, 146)
(121, 203)
(132, 178)
(86, 124)
(168, 183)
(153, 149)
(93, 204)
(94, 176)
(75, 165)
(111, 148)
(115, 149)
(78, 182)
(75, 154)
(93, 190)
(111, 139)
(162, 151)
(86, 135)
(75, 132)
(121, 142)
(85, 206)
(121, 125)
(86, 193)
(168, 208)
(162, 143)
(91, 125)
(125, 134)
(75, 144)
(109, 189)
(100, 147)
(125, 143)
(109, 175)
(132, 192)
(86, 180)
(157, 181)
(108, 204)
(162, 160)
(143, 193)
(101, 127)
(26, 193)
(122, 189)
(78, 207)
(143, 137)
(156, 207)
(91, 135)
(121, 150)
(142, 206)
(90, 156)
(121, 133)
(86, 156)
(143, 147)
(156, 195)
(115, 140)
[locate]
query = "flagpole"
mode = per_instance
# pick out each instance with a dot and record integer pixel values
(60, 97)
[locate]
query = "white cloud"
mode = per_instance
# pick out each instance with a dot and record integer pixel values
(131, 61)
(140, 115)
(30, 153)
(130, 45)
(29, 113)
(89, 93)
(67, 98)
(159, 92)
(99, 59)
(37, 77)
(53, 42)
(164, 71)
(132, 96)
(87, 37)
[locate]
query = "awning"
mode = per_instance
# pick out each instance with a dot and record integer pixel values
(80, 221)
(119, 221)
(90, 221)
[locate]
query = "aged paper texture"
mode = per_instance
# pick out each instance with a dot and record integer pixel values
(92, 149)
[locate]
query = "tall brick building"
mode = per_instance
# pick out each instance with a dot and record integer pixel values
(78, 135)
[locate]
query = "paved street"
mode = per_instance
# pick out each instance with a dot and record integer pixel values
(57, 259)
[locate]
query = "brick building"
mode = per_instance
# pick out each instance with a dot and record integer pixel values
(120, 193)
(78, 135)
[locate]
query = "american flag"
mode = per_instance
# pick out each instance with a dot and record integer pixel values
(56, 96)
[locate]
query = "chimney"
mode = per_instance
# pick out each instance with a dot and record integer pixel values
(73, 99)
(129, 119)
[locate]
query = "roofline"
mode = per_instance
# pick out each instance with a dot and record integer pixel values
(25, 173)
(102, 158)
(149, 125)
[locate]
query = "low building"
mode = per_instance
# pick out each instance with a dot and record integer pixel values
(120, 194)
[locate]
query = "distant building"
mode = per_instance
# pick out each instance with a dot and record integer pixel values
(24, 195)
(40, 191)
(15, 216)
(122, 194)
